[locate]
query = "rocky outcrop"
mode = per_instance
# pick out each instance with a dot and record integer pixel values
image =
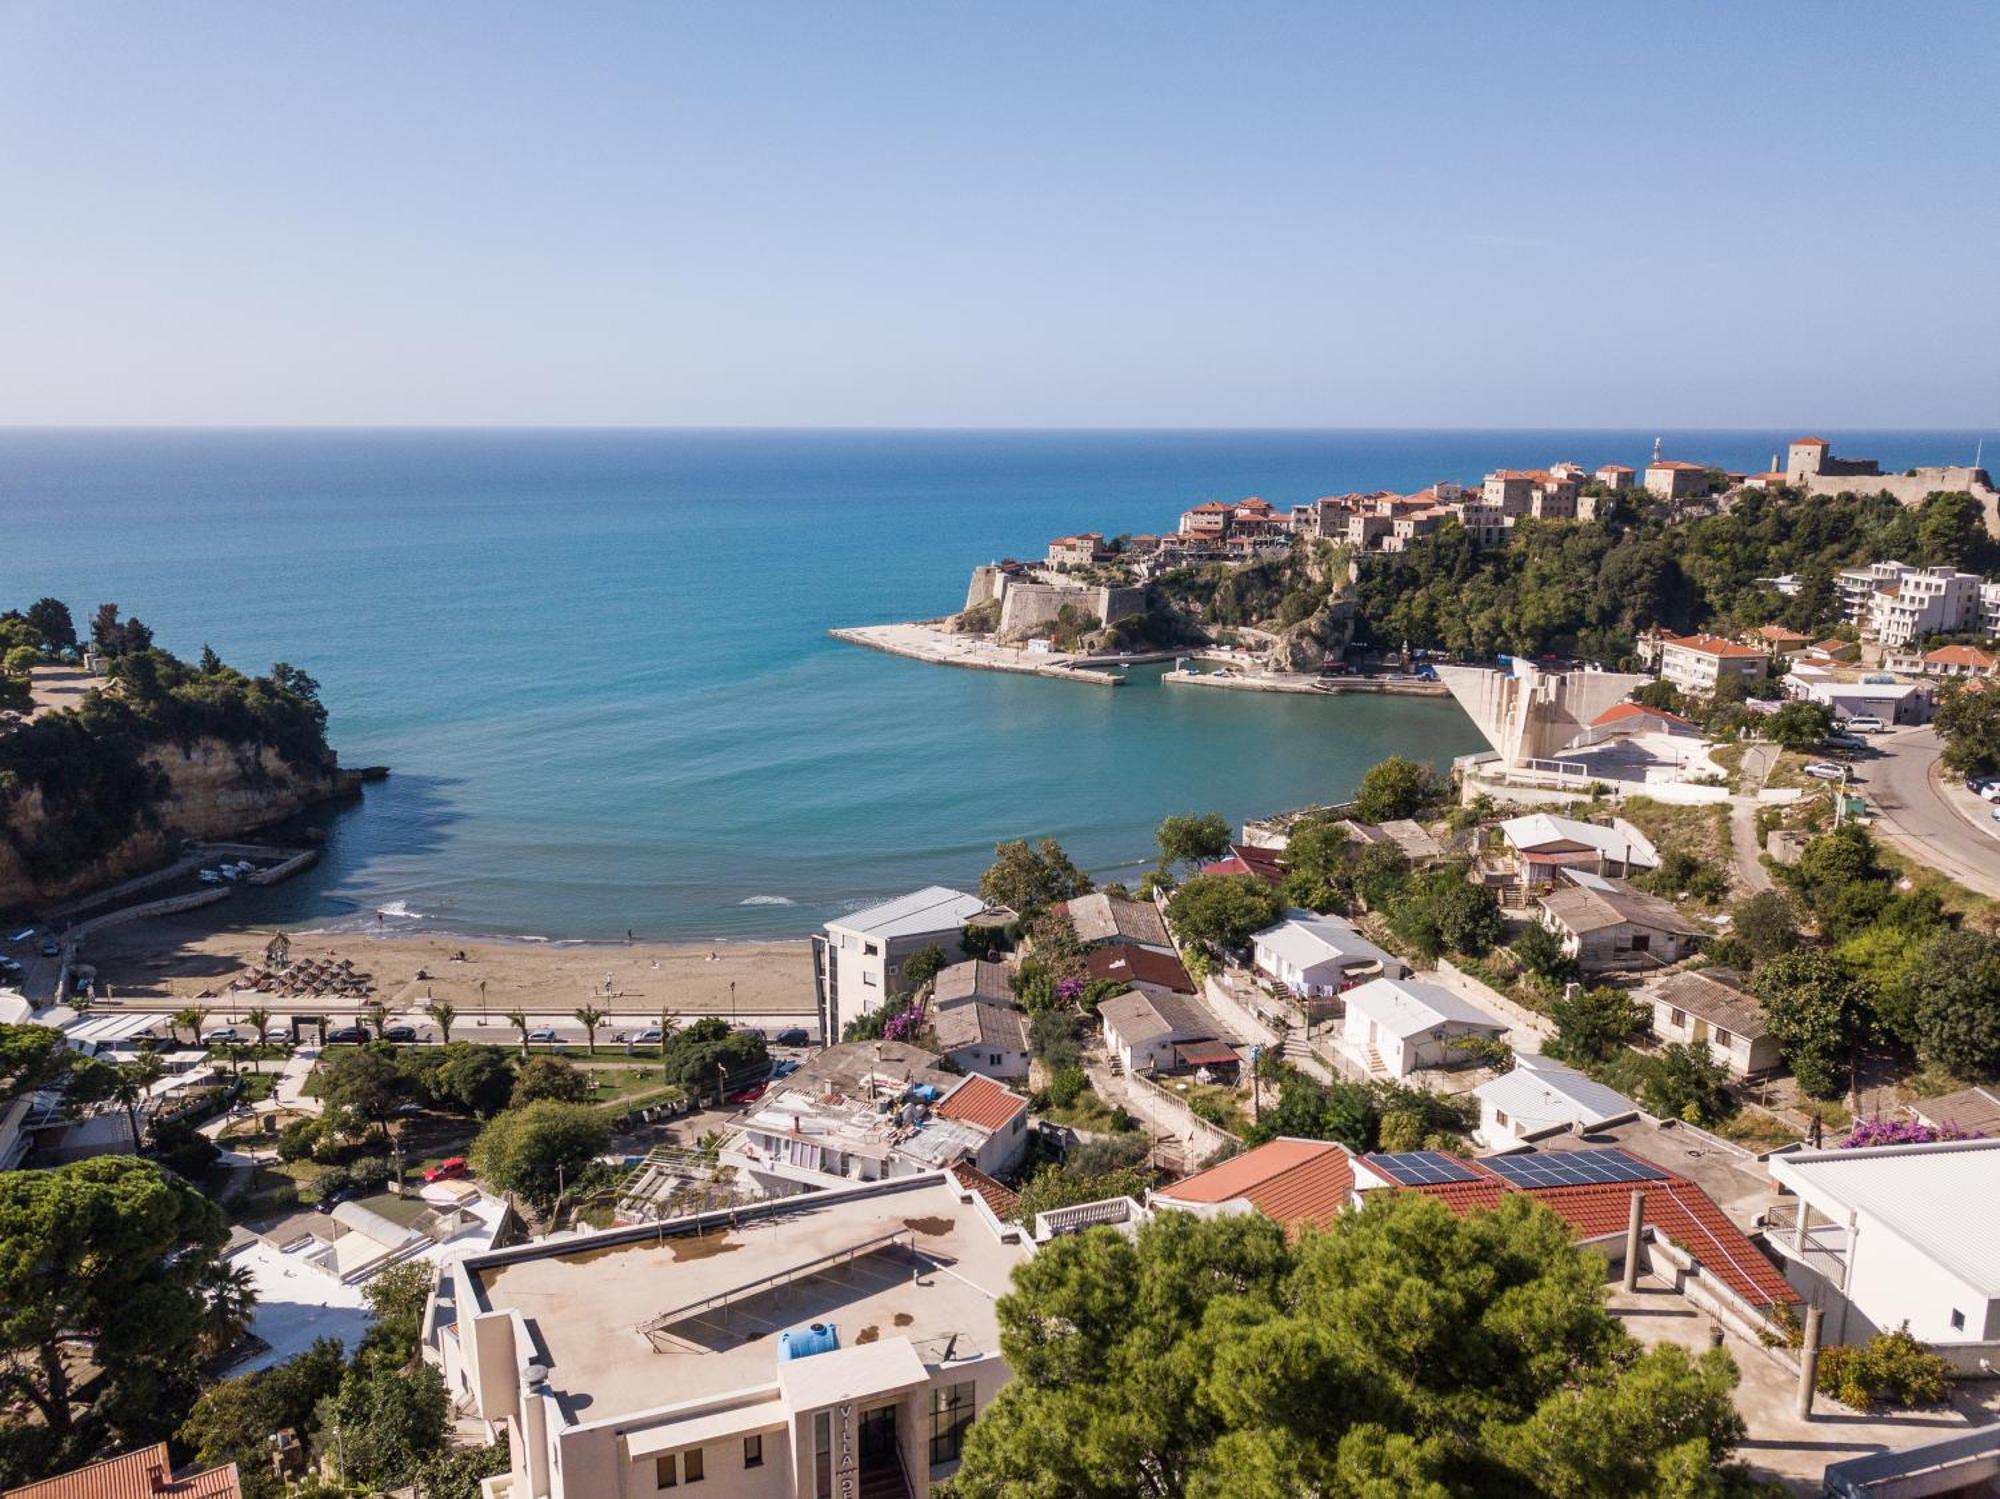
(211, 789)
(1314, 640)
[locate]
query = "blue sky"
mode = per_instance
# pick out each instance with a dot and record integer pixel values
(1022, 215)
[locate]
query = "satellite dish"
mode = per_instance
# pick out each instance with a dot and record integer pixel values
(536, 1374)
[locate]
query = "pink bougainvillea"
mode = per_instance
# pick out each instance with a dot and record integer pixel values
(1903, 1132)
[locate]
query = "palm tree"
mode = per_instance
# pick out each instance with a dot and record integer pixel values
(378, 1015)
(131, 1084)
(519, 1020)
(191, 1017)
(230, 1295)
(443, 1013)
(590, 1018)
(261, 1019)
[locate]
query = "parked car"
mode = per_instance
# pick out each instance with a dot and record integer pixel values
(1866, 723)
(647, 1036)
(1821, 770)
(783, 1069)
(347, 1035)
(1846, 742)
(446, 1169)
(399, 1033)
(328, 1204)
(792, 1035)
(51, 948)
(545, 1033)
(10, 967)
(222, 1035)
(748, 1095)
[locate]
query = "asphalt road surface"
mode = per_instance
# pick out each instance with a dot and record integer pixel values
(1943, 826)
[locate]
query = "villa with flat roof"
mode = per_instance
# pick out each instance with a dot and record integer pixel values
(858, 962)
(835, 1344)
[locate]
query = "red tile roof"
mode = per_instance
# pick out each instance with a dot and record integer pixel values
(129, 1476)
(1295, 1183)
(1619, 712)
(1675, 1208)
(1811, 442)
(1266, 863)
(999, 1197)
(1962, 655)
(1614, 468)
(1676, 465)
(981, 1101)
(1713, 645)
(1128, 963)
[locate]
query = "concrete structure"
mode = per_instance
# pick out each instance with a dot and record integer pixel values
(870, 1113)
(1540, 1095)
(1529, 714)
(1030, 602)
(1609, 927)
(1811, 466)
(1315, 956)
(1078, 551)
(1141, 1030)
(858, 963)
(1709, 1010)
(1210, 521)
(1670, 479)
(1894, 1234)
(835, 1344)
(989, 1039)
(1890, 700)
(1393, 1027)
(1898, 604)
(1697, 663)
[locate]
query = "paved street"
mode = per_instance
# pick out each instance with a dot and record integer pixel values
(1925, 820)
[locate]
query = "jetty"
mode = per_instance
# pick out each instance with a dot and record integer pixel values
(1306, 683)
(928, 641)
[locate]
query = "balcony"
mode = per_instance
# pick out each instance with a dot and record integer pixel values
(1818, 1243)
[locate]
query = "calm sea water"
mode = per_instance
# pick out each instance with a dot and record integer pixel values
(598, 666)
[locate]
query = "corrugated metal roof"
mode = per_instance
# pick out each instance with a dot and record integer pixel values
(935, 908)
(1942, 1199)
(1541, 1093)
(1406, 1008)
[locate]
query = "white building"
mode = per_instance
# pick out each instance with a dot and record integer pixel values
(1857, 587)
(1697, 663)
(1314, 956)
(1879, 695)
(1394, 1026)
(1924, 601)
(859, 962)
(979, 1036)
(1896, 1234)
(839, 1343)
(1142, 1028)
(1541, 1095)
(1710, 1011)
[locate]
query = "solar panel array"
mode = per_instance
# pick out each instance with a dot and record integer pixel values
(1572, 1168)
(1422, 1168)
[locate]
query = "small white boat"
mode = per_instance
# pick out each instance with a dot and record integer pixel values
(211, 877)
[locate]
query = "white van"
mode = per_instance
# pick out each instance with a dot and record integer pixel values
(1865, 723)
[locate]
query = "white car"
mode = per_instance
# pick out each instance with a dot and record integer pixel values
(1866, 723)
(543, 1033)
(650, 1036)
(221, 1036)
(1821, 770)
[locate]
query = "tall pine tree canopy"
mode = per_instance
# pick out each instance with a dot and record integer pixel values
(1403, 1352)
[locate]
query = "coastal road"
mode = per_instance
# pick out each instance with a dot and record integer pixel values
(1940, 825)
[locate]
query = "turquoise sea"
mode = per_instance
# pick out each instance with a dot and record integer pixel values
(597, 661)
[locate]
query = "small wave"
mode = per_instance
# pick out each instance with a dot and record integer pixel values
(401, 909)
(766, 900)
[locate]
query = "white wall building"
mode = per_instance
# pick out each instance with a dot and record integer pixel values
(1924, 601)
(1696, 663)
(1894, 1234)
(1394, 1026)
(1314, 956)
(834, 1344)
(859, 961)
(1141, 1028)
(1541, 1095)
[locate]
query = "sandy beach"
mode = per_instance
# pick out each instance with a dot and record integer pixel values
(179, 960)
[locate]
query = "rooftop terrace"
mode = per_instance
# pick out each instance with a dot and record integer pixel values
(905, 1259)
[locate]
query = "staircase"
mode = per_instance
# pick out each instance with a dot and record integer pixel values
(1376, 1066)
(884, 1482)
(1117, 1066)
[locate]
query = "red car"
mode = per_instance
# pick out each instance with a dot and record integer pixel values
(444, 1170)
(748, 1095)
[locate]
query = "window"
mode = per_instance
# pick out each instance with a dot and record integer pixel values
(1677, 1019)
(868, 980)
(1499, 1116)
(753, 1451)
(823, 1455)
(951, 1414)
(871, 950)
(993, 1059)
(1641, 941)
(1957, 1320)
(665, 1470)
(691, 1465)
(1019, 1120)
(1721, 1037)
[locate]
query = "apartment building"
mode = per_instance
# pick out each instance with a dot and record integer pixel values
(1210, 521)
(1696, 663)
(839, 1343)
(1924, 601)
(858, 962)
(1670, 479)
(1615, 476)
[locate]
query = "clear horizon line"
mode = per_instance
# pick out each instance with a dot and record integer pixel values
(884, 427)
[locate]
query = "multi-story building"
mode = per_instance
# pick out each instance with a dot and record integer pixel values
(858, 963)
(1210, 521)
(1077, 551)
(1485, 524)
(839, 1343)
(1671, 479)
(1615, 476)
(1509, 490)
(1924, 601)
(1695, 663)
(1857, 587)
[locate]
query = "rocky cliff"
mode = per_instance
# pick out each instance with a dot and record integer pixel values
(206, 789)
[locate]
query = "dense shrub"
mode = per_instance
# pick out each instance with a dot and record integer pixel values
(1891, 1368)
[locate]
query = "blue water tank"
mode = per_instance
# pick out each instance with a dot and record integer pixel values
(804, 1342)
(926, 1091)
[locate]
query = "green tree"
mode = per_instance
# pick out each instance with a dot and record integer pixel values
(709, 1055)
(590, 1018)
(1969, 723)
(397, 1297)
(1800, 725)
(550, 1077)
(1318, 866)
(1441, 911)
(1540, 952)
(923, 965)
(1396, 788)
(1956, 1004)
(1029, 879)
(1191, 839)
(1403, 1351)
(1222, 910)
(455, 1472)
(1591, 1024)
(1683, 1082)
(104, 1264)
(536, 1150)
(233, 1420)
(229, 1295)
(461, 1076)
(1064, 1186)
(1818, 1014)
(519, 1020)
(50, 619)
(366, 1083)
(1767, 923)
(383, 1423)
(31, 1058)
(443, 1013)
